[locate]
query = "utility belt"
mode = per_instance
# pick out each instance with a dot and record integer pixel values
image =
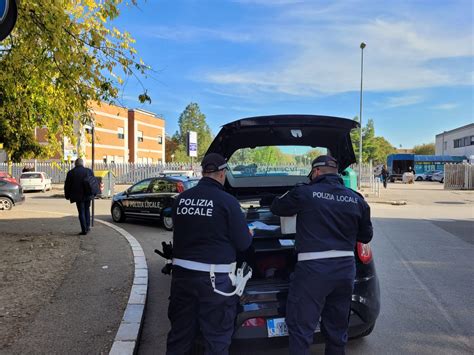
(237, 277)
(328, 254)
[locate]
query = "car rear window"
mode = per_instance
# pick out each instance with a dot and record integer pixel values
(190, 183)
(31, 176)
(273, 161)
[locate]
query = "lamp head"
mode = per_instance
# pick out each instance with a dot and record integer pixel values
(362, 45)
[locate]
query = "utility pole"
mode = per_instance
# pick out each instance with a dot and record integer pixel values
(362, 46)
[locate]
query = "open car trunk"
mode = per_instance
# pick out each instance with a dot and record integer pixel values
(272, 255)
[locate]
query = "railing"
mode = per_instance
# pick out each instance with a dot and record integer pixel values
(459, 176)
(129, 173)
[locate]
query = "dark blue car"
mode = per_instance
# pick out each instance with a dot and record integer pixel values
(150, 199)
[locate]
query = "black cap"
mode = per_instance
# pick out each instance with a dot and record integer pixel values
(213, 162)
(324, 160)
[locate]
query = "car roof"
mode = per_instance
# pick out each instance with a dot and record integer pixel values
(179, 178)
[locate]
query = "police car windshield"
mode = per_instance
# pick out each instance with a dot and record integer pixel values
(273, 161)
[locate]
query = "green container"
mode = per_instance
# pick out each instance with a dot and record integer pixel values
(350, 178)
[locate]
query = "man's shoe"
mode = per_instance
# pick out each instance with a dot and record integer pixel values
(83, 233)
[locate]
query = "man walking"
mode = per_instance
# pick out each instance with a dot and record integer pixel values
(330, 219)
(76, 190)
(209, 229)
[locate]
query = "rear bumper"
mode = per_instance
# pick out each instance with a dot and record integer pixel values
(365, 308)
(20, 200)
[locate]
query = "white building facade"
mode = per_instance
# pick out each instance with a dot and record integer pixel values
(458, 141)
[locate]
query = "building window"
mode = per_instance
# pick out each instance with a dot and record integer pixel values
(140, 136)
(121, 134)
(466, 141)
(472, 140)
(457, 143)
(160, 140)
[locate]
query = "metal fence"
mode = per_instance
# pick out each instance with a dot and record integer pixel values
(130, 173)
(125, 173)
(459, 176)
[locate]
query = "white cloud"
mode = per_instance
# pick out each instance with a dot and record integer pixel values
(191, 33)
(320, 53)
(446, 106)
(406, 100)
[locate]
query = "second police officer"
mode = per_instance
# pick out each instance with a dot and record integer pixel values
(209, 230)
(330, 219)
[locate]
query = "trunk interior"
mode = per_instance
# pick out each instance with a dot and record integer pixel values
(272, 256)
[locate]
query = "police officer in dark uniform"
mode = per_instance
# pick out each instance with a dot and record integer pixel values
(209, 230)
(330, 219)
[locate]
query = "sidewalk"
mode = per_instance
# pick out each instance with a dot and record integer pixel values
(61, 293)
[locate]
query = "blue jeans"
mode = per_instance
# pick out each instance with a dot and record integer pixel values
(83, 209)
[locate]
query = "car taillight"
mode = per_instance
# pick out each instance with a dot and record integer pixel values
(364, 252)
(180, 187)
(254, 323)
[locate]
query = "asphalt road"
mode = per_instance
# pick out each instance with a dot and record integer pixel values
(424, 257)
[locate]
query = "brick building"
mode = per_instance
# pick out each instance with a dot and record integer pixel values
(146, 138)
(121, 136)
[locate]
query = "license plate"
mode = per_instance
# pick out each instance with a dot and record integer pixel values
(276, 327)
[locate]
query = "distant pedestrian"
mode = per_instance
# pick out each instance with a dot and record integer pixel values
(76, 190)
(384, 176)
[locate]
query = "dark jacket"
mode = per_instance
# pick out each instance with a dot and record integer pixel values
(330, 216)
(209, 225)
(384, 173)
(74, 184)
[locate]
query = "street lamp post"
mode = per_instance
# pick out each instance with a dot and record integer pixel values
(92, 166)
(362, 46)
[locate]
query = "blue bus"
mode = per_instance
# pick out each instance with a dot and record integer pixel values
(397, 164)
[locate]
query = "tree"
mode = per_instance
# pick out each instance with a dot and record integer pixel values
(374, 148)
(61, 56)
(424, 149)
(192, 119)
(170, 148)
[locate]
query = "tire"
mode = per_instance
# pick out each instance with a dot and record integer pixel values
(167, 223)
(419, 178)
(365, 333)
(5, 204)
(117, 213)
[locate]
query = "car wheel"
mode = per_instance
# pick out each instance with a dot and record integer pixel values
(117, 213)
(167, 223)
(5, 204)
(419, 178)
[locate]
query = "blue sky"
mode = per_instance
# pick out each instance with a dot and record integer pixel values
(241, 58)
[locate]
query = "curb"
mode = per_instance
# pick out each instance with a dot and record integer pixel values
(394, 203)
(126, 339)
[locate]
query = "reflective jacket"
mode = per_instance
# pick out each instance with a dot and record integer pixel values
(330, 216)
(209, 225)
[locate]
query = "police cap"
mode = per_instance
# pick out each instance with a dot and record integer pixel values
(213, 162)
(324, 160)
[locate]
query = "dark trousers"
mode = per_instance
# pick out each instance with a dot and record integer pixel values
(83, 209)
(194, 307)
(313, 295)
